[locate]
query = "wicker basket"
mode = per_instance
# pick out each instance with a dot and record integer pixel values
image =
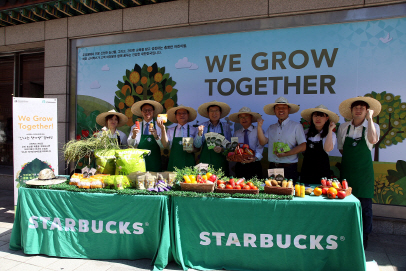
(197, 187)
(240, 157)
(235, 191)
(278, 190)
(347, 191)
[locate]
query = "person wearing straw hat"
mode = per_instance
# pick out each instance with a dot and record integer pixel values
(248, 135)
(320, 141)
(284, 131)
(181, 115)
(214, 111)
(355, 140)
(148, 137)
(112, 120)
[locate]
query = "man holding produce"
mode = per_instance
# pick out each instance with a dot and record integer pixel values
(181, 156)
(248, 135)
(214, 111)
(355, 140)
(285, 138)
(147, 135)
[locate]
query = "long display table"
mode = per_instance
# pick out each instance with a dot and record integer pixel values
(311, 233)
(92, 225)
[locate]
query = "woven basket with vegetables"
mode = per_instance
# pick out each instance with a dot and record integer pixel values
(242, 153)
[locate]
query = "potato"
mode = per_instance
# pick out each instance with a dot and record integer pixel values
(274, 183)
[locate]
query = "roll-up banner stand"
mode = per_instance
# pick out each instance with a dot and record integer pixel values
(35, 137)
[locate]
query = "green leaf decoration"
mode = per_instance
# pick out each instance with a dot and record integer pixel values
(120, 95)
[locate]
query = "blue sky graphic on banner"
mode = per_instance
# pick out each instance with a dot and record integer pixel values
(309, 65)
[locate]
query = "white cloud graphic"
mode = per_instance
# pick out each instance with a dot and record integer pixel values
(193, 67)
(95, 84)
(105, 68)
(184, 63)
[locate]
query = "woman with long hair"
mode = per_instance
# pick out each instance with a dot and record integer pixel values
(320, 141)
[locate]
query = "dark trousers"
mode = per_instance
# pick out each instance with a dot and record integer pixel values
(248, 170)
(289, 169)
(366, 205)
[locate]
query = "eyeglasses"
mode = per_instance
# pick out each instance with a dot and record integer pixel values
(147, 110)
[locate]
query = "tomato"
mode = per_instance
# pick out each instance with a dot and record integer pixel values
(324, 190)
(323, 182)
(241, 184)
(228, 186)
(245, 146)
(250, 184)
(213, 178)
(329, 183)
(232, 182)
(220, 182)
(254, 188)
(246, 187)
(230, 154)
(317, 191)
(237, 187)
(341, 194)
(331, 194)
(222, 186)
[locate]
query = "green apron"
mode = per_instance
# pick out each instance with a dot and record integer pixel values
(357, 167)
(216, 160)
(153, 160)
(178, 157)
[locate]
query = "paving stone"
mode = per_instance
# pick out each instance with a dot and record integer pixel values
(66, 264)
(398, 260)
(94, 265)
(26, 267)
(381, 258)
(42, 261)
(6, 264)
(18, 256)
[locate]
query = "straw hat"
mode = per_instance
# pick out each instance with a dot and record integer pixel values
(345, 106)
(269, 108)
(101, 118)
(136, 108)
(307, 113)
(46, 177)
(245, 110)
(225, 109)
(172, 117)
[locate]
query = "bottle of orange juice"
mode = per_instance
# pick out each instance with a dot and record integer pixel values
(297, 189)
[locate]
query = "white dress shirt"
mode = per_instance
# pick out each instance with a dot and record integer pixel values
(252, 139)
(135, 141)
(170, 135)
(355, 132)
(316, 138)
(199, 140)
(289, 132)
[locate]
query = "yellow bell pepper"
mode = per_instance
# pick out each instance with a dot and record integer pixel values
(187, 179)
(334, 184)
(192, 178)
(205, 177)
(208, 174)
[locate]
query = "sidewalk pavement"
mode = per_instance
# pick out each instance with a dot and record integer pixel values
(389, 251)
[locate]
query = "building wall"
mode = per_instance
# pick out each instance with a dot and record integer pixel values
(54, 36)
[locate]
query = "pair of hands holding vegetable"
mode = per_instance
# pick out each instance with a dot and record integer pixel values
(151, 129)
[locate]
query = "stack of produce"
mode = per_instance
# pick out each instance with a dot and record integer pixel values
(279, 186)
(241, 153)
(332, 188)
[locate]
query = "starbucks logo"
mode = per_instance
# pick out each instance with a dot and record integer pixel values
(180, 142)
(311, 146)
(149, 139)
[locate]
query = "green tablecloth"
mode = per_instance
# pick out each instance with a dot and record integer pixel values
(311, 233)
(92, 225)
